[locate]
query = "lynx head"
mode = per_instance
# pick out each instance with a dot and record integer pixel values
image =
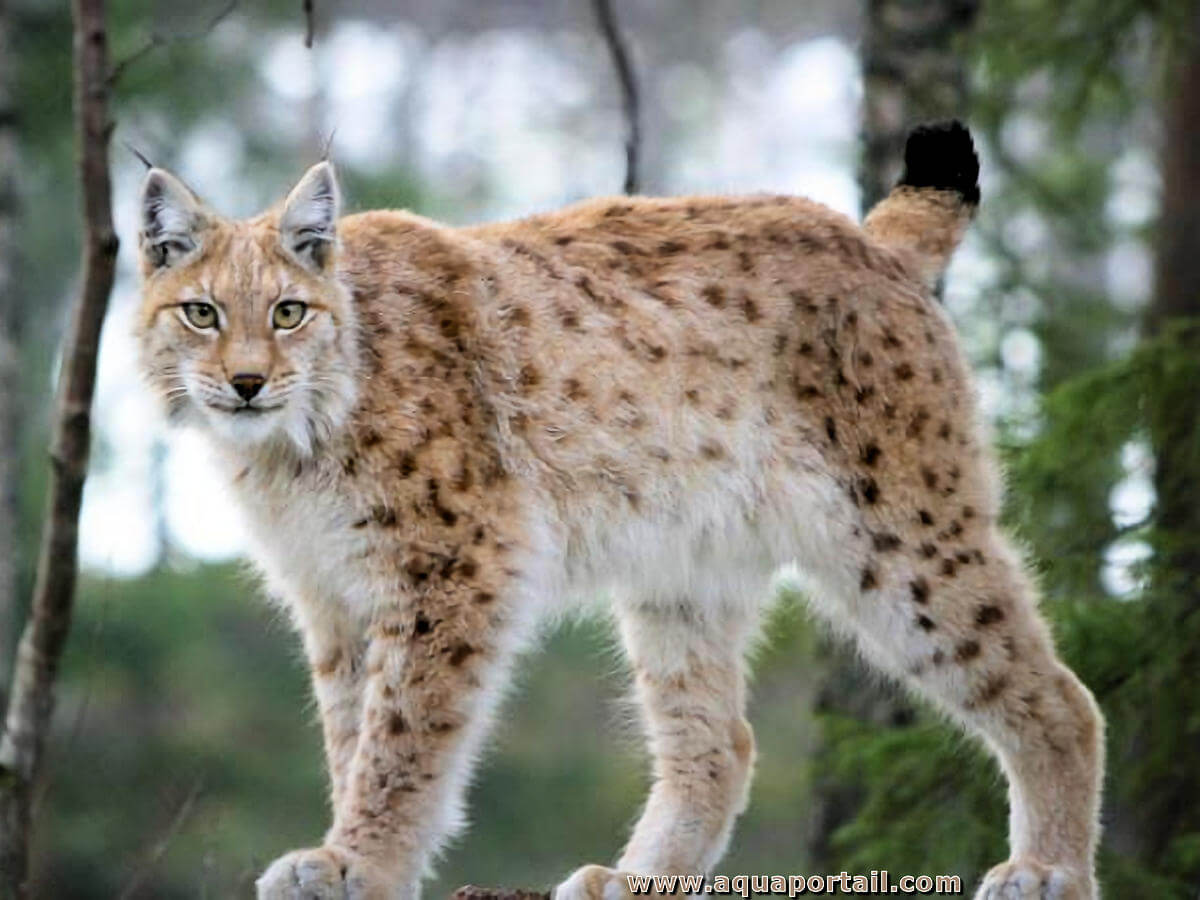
(245, 329)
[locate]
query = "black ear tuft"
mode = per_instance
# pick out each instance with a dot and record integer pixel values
(941, 155)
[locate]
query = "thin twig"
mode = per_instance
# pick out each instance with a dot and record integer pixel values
(31, 702)
(619, 51)
(139, 154)
(160, 847)
(157, 40)
(309, 28)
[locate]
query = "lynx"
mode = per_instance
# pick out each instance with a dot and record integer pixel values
(440, 436)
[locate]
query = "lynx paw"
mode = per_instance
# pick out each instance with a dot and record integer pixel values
(324, 873)
(1027, 879)
(594, 883)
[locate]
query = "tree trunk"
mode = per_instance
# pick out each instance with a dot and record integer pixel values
(9, 384)
(1170, 809)
(31, 700)
(912, 72)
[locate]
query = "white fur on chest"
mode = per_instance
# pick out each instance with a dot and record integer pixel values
(302, 538)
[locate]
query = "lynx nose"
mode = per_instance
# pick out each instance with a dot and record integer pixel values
(247, 385)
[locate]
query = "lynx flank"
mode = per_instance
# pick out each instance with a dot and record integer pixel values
(440, 435)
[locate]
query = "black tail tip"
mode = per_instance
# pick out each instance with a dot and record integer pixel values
(942, 155)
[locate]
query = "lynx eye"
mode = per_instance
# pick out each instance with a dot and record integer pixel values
(201, 315)
(288, 314)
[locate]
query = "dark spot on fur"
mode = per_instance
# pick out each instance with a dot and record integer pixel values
(917, 424)
(669, 248)
(871, 454)
(944, 431)
(712, 450)
(928, 550)
(988, 614)
(920, 590)
(864, 393)
(949, 567)
(745, 262)
(929, 477)
(925, 517)
(519, 315)
(890, 339)
(904, 371)
(692, 395)
(484, 597)
(936, 375)
(396, 724)
(992, 688)
(868, 580)
(807, 391)
(422, 625)
(805, 348)
(968, 512)
(714, 295)
(530, 376)
(830, 429)
(371, 437)
(750, 310)
(869, 489)
(459, 653)
(925, 623)
(573, 389)
(966, 651)
(938, 657)
(563, 240)
(885, 541)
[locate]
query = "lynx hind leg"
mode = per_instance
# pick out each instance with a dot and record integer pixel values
(939, 599)
(689, 680)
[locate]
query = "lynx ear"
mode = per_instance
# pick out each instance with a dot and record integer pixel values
(308, 225)
(172, 219)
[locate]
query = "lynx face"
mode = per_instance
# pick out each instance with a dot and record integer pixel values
(244, 329)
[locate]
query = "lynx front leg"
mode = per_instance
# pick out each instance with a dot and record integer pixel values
(689, 680)
(336, 657)
(434, 668)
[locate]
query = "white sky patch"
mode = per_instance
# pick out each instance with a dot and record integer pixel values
(1121, 560)
(1133, 201)
(288, 68)
(365, 68)
(1022, 353)
(1128, 274)
(790, 126)
(1132, 498)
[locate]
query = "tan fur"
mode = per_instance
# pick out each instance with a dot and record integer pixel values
(665, 398)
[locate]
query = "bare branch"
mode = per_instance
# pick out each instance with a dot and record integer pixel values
(309, 28)
(32, 699)
(619, 51)
(157, 40)
(164, 842)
